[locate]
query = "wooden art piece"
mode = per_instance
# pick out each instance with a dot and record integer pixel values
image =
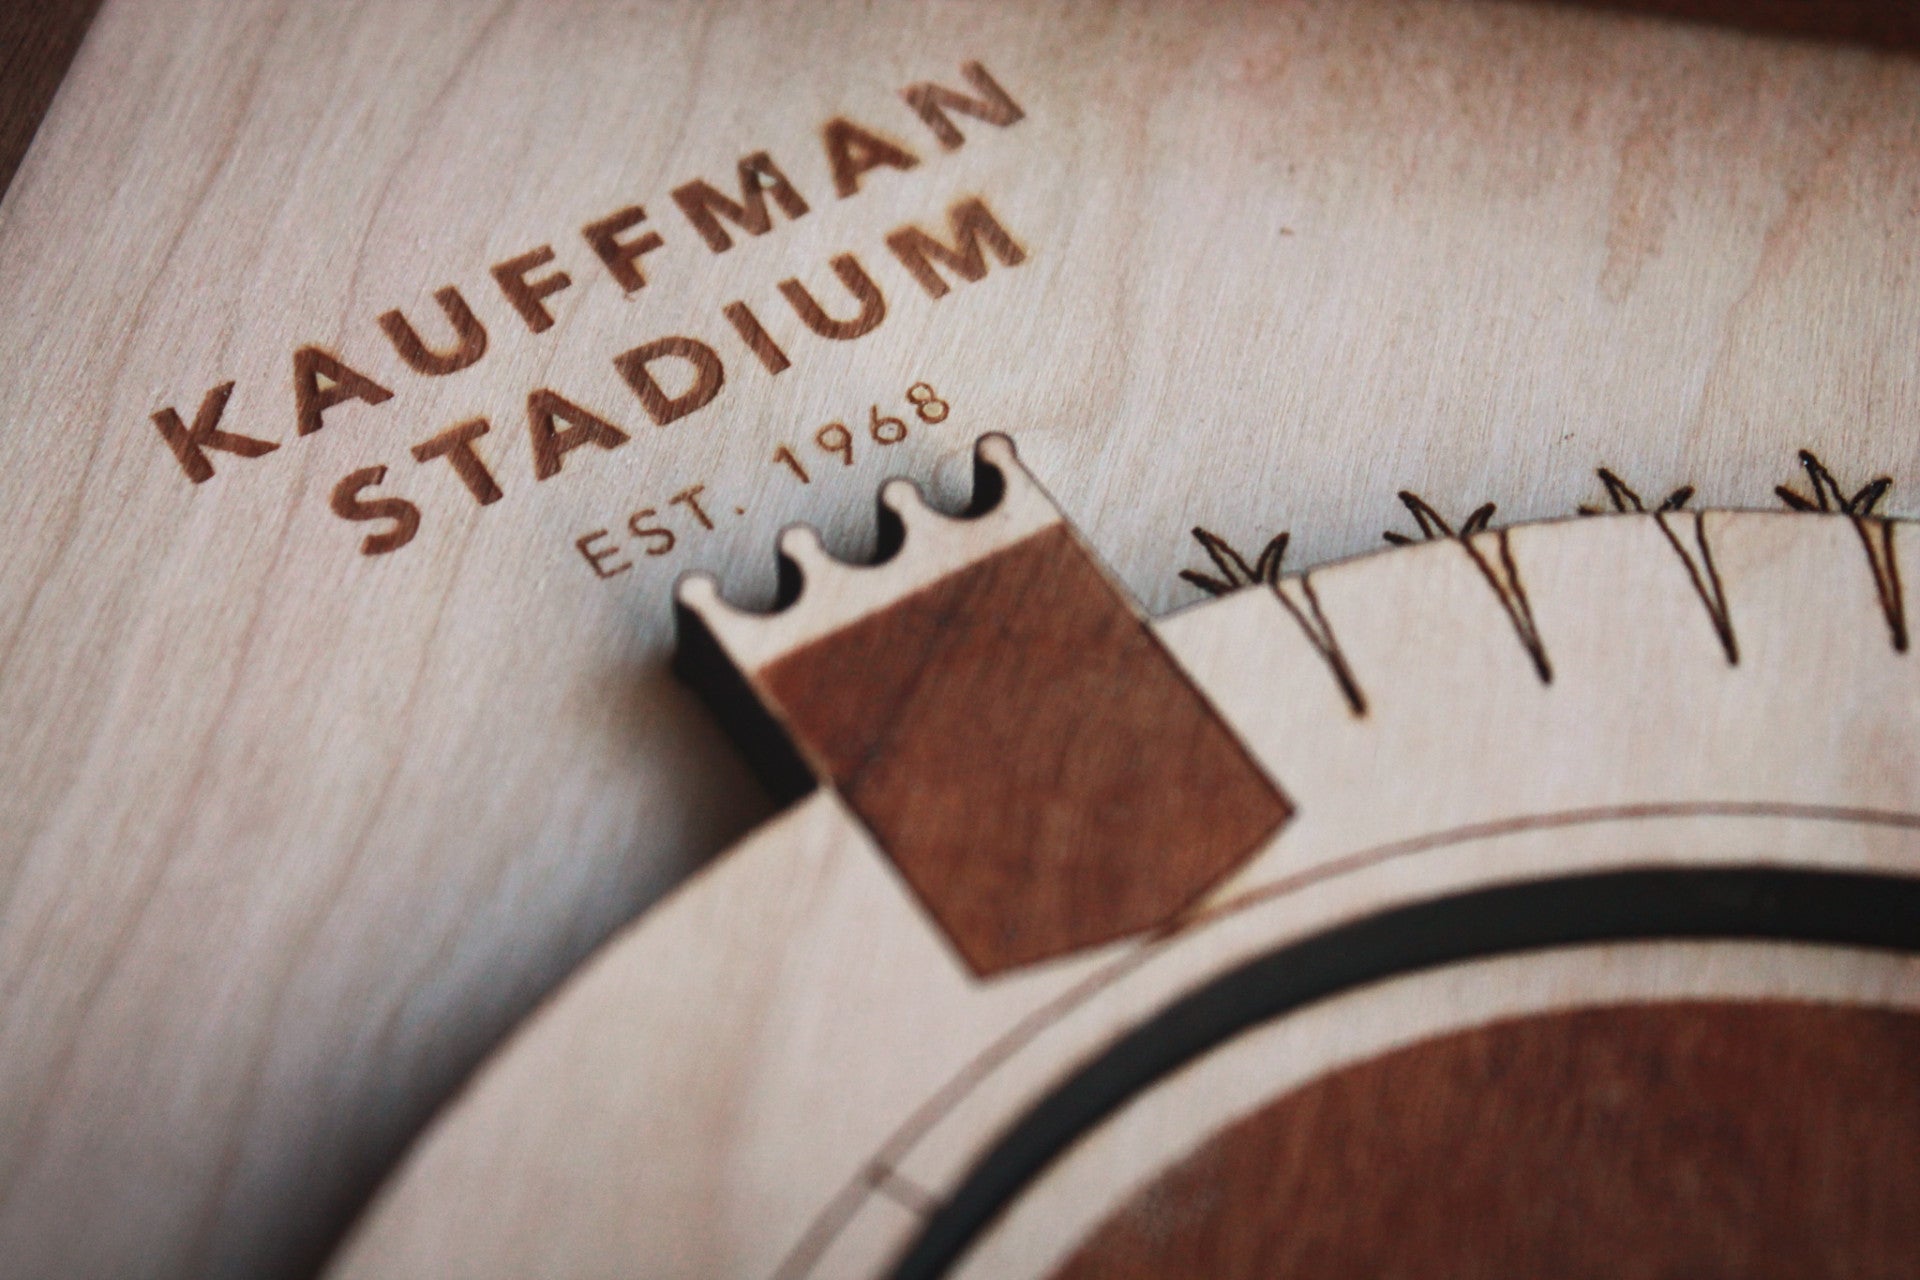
(447, 827)
(995, 711)
(1593, 948)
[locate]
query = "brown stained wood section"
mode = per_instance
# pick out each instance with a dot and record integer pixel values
(1690, 1139)
(1028, 755)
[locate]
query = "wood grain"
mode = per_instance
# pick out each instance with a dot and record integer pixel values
(292, 835)
(1638, 1141)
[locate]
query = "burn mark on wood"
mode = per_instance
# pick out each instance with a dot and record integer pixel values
(1827, 494)
(1623, 497)
(1876, 539)
(1705, 578)
(1876, 534)
(1235, 572)
(1305, 611)
(1500, 571)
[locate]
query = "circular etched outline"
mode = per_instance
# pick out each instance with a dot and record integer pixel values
(1858, 909)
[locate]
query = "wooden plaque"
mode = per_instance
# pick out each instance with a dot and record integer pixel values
(1593, 948)
(370, 374)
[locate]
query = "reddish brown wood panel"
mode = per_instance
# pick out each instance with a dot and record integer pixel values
(1028, 755)
(38, 39)
(1750, 1139)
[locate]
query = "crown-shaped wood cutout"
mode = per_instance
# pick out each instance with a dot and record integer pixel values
(991, 704)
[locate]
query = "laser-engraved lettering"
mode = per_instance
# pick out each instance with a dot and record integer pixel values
(311, 367)
(349, 505)
(622, 257)
(470, 337)
(852, 151)
(189, 444)
(873, 307)
(758, 340)
(636, 366)
(975, 230)
(931, 102)
(455, 444)
(704, 206)
(550, 445)
(527, 295)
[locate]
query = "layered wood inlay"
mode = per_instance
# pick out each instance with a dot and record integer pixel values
(1027, 754)
(1698, 1139)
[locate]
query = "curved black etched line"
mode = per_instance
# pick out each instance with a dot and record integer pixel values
(1886, 575)
(1706, 581)
(1512, 592)
(834, 1216)
(1319, 633)
(1732, 903)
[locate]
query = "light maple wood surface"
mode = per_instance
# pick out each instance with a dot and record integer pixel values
(291, 835)
(786, 1069)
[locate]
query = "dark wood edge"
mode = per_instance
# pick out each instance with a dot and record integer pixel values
(1888, 24)
(38, 39)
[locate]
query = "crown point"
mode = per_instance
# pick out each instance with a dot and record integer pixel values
(997, 447)
(697, 591)
(902, 497)
(801, 544)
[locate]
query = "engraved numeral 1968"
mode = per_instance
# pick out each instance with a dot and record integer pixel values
(927, 403)
(837, 439)
(784, 454)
